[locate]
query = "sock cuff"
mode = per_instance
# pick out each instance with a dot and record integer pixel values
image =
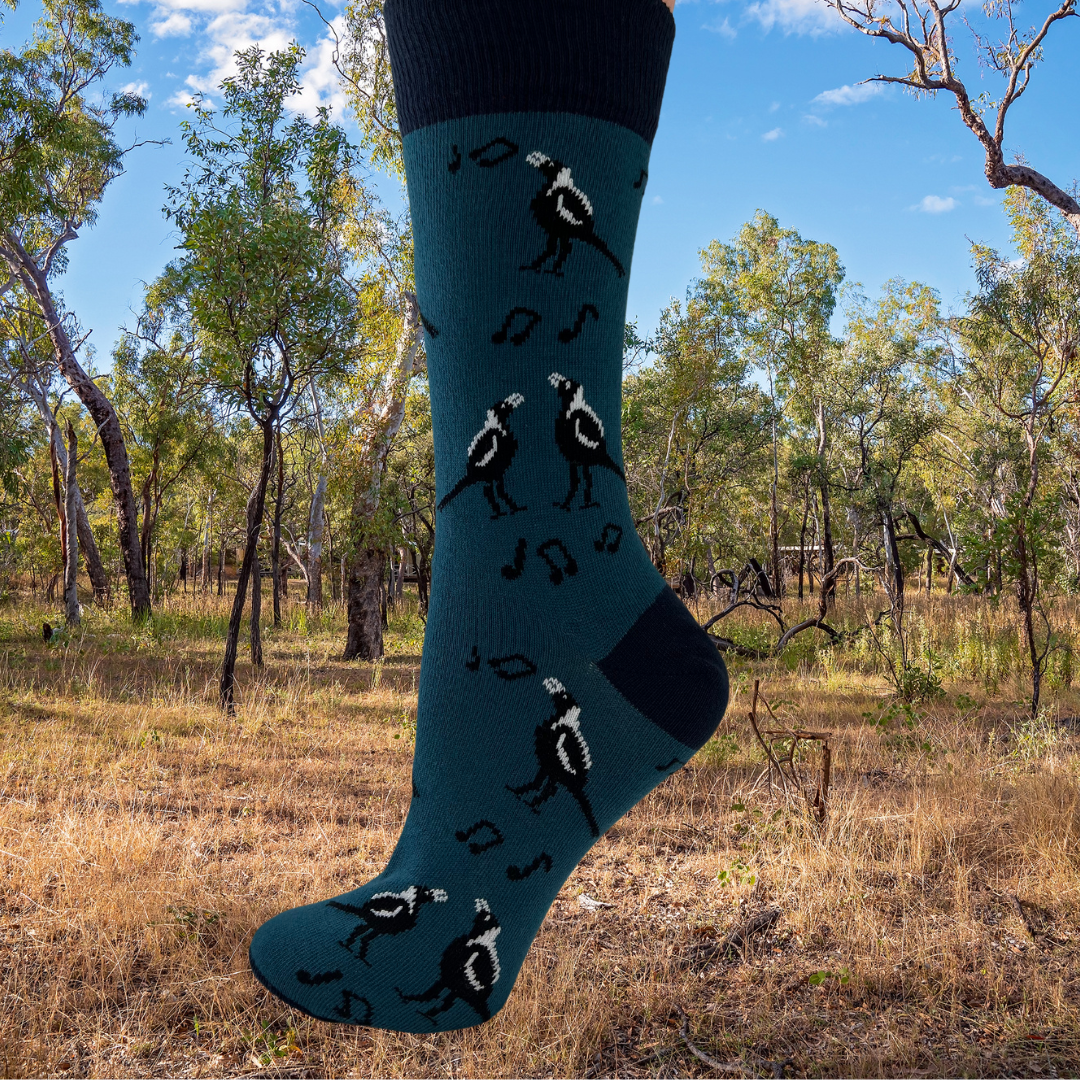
(607, 59)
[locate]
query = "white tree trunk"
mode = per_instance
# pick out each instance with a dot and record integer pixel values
(71, 555)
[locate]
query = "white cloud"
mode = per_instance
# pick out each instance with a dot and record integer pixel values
(722, 27)
(180, 100)
(772, 136)
(984, 200)
(814, 121)
(175, 25)
(141, 89)
(656, 200)
(322, 84)
(230, 32)
(935, 204)
(795, 16)
(850, 95)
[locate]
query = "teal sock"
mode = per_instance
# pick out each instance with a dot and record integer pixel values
(562, 679)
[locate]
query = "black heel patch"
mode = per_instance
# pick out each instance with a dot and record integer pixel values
(668, 669)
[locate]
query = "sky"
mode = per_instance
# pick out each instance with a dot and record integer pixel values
(765, 108)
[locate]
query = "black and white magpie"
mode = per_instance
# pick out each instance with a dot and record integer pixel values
(469, 968)
(562, 755)
(565, 213)
(386, 913)
(489, 456)
(579, 433)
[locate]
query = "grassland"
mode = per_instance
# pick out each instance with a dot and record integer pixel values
(929, 929)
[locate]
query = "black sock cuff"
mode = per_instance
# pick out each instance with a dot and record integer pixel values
(602, 58)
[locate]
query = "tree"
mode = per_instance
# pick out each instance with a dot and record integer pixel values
(263, 274)
(780, 291)
(920, 28)
(1021, 350)
(58, 153)
(363, 61)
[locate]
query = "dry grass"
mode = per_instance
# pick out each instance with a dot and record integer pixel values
(143, 838)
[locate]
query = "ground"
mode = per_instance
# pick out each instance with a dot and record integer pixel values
(927, 928)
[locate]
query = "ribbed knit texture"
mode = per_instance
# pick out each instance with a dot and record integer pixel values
(606, 59)
(561, 678)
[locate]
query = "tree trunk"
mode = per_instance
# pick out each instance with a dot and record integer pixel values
(365, 604)
(275, 540)
(58, 498)
(828, 557)
(366, 561)
(316, 527)
(71, 560)
(26, 271)
(256, 504)
(221, 564)
(207, 554)
(256, 613)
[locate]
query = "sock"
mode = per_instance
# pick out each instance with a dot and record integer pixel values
(561, 679)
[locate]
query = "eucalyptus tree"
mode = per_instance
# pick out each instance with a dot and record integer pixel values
(884, 413)
(161, 393)
(695, 425)
(59, 150)
(921, 28)
(363, 62)
(260, 214)
(779, 291)
(1020, 362)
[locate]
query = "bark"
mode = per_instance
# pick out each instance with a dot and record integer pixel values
(256, 613)
(366, 560)
(317, 517)
(275, 541)
(316, 528)
(828, 556)
(256, 504)
(61, 509)
(207, 542)
(71, 553)
(33, 280)
(366, 569)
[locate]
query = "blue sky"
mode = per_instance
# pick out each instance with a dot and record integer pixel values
(762, 110)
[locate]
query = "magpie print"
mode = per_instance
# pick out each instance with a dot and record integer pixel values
(469, 968)
(562, 755)
(564, 212)
(489, 456)
(386, 913)
(579, 433)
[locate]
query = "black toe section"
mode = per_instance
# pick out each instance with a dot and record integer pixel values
(668, 669)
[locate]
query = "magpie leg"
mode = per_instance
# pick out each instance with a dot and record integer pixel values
(565, 247)
(552, 247)
(365, 941)
(532, 785)
(489, 494)
(549, 789)
(586, 809)
(575, 480)
(588, 500)
(428, 995)
(500, 490)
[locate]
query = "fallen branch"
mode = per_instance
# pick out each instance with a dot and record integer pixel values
(708, 1059)
(1018, 907)
(954, 567)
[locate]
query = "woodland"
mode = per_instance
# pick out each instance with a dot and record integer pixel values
(216, 557)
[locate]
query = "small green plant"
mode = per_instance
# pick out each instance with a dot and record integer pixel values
(268, 1046)
(965, 703)
(840, 977)
(719, 749)
(151, 738)
(737, 874)
(916, 685)
(1034, 737)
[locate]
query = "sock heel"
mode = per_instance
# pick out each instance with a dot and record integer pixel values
(668, 669)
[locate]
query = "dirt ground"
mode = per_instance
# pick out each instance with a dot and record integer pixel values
(928, 928)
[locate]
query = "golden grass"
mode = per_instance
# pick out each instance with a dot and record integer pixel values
(143, 837)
